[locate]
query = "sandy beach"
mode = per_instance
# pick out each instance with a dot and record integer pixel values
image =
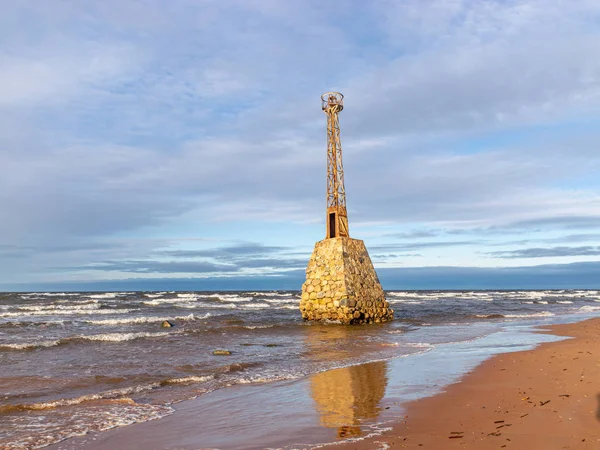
(546, 398)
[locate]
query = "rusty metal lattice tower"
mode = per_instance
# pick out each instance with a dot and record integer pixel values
(337, 217)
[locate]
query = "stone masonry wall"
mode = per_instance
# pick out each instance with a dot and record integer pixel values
(341, 284)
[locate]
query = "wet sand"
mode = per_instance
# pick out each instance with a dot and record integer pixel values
(547, 398)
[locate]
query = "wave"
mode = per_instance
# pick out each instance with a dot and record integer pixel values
(169, 301)
(29, 345)
(92, 304)
(106, 337)
(490, 316)
(264, 379)
(112, 413)
(419, 295)
(107, 295)
(277, 301)
(121, 394)
(188, 380)
(257, 327)
(33, 323)
(589, 308)
(145, 319)
(273, 294)
(419, 345)
(115, 393)
(255, 305)
(66, 312)
(121, 337)
(538, 314)
(51, 294)
(188, 296)
(233, 298)
(206, 305)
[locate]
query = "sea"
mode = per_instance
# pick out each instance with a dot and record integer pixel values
(74, 363)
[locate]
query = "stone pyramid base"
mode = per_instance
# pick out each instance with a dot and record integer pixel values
(341, 284)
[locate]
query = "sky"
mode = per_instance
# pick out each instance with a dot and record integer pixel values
(181, 144)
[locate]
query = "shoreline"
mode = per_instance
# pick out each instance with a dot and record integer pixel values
(326, 408)
(547, 397)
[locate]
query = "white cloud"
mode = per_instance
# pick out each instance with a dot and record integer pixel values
(128, 114)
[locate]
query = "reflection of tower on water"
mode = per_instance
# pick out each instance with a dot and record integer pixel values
(348, 396)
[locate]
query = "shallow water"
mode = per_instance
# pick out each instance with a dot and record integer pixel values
(79, 362)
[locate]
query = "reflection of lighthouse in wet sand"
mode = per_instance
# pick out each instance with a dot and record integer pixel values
(346, 397)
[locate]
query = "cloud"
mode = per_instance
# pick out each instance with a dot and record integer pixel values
(423, 245)
(120, 119)
(161, 267)
(238, 258)
(230, 252)
(551, 276)
(559, 221)
(416, 234)
(547, 252)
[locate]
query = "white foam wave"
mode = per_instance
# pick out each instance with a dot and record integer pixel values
(145, 319)
(206, 305)
(115, 393)
(234, 298)
(531, 295)
(115, 413)
(273, 294)
(418, 295)
(107, 295)
(564, 302)
(66, 312)
(264, 379)
(29, 345)
(525, 315)
(52, 294)
(277, 301)
(161, 301)
(589, 308)
(190, 379)
(419, 345)
(188, 296)
(122, 337)
(92, 304)
(106, 337)
(255, 305)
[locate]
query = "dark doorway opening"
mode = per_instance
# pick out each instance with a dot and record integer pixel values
(332, 225)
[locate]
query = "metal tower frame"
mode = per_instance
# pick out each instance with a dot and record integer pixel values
(337, 216)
